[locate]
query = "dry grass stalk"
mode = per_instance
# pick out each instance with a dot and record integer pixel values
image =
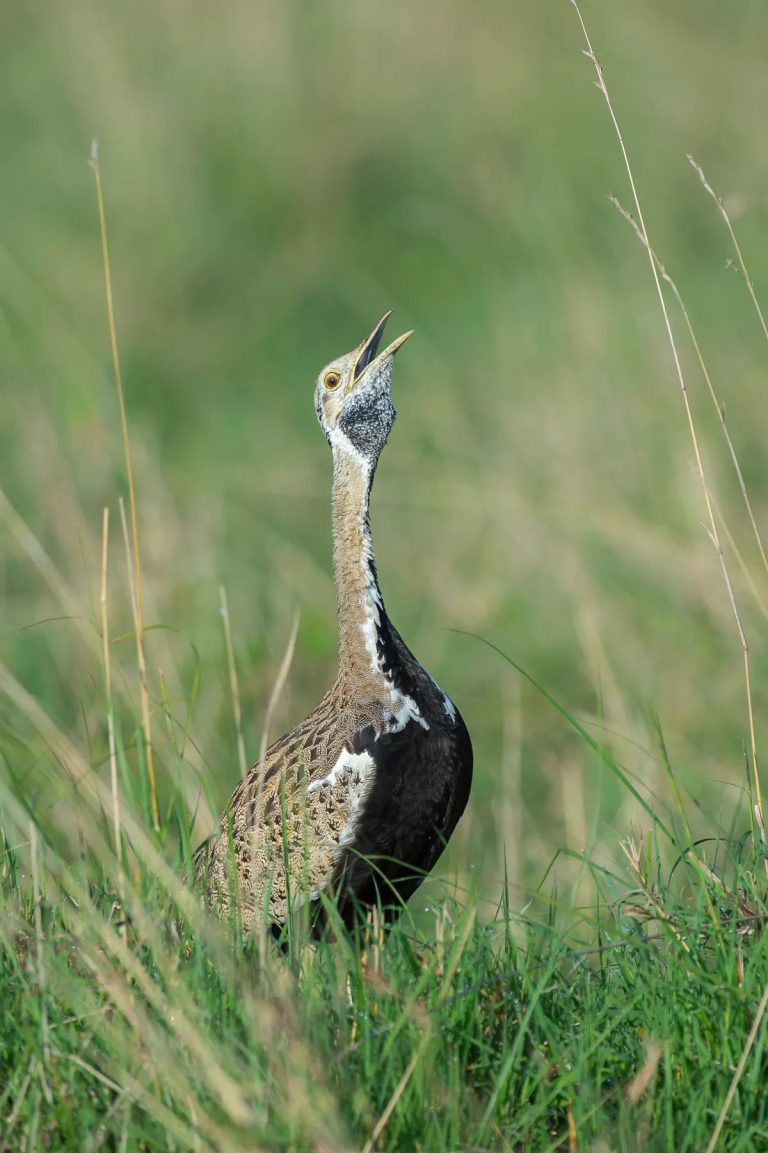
(34, 849)
(42, 562)
(631, 851)
(110, 706)
(120, 994)
(13, 1116)
(573, 1136)
(146, 723)
(179, 1021)
(92, 792)
(233, 683)
(643, 1078)
(400, 1088)
(279, 685)
(719, 407)
(274, 697)
(739, 255)
(426, 1037)
(739, 1071)
(712, 524)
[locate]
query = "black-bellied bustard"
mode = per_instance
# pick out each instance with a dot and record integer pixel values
(360, 799)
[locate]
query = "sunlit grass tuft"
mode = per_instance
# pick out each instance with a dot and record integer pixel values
(139, 1021)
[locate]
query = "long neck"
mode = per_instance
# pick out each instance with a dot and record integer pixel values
(359, 603)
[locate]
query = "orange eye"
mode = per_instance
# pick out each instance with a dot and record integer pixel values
(332, 379)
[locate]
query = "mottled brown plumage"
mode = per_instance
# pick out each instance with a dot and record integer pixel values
(360, 799)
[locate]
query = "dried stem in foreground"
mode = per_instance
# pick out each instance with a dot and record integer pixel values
(146, 724)
(712, 525)
(737, 247)
(110, 706)
(719, 407)
(233, 683)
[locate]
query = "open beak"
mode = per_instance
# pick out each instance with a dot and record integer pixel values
(370, 347)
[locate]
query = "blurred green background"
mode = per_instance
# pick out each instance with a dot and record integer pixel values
(276, 175)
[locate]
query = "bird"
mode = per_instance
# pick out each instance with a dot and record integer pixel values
(360, 799)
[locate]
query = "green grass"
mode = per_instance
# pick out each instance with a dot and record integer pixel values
(134, 1023)
(274, 179)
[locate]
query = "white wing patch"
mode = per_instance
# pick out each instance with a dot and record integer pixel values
(355, 770)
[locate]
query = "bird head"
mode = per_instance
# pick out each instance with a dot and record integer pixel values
(353, 396)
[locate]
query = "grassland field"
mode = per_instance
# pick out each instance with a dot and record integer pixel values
(588, 968)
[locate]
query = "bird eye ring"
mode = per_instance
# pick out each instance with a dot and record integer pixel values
(332, 379)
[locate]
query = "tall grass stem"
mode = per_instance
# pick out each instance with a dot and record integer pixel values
(104, 604)
(146, 723)
(712, 525)
(234, 687)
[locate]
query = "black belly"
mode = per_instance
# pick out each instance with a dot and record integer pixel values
(421, 787)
